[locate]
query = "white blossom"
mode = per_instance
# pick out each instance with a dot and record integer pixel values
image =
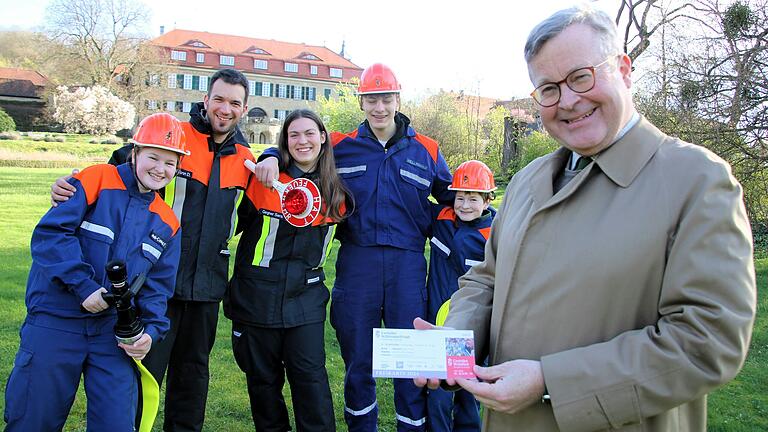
(94, 110)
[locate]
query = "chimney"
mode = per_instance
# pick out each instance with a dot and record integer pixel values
(162, 30)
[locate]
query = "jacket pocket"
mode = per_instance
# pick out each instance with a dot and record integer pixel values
(351, 171)
(18, 386)
(415, 177)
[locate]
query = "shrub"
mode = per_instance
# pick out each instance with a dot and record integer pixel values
(6, 122)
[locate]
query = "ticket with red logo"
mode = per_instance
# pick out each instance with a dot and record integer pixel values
(407, 353)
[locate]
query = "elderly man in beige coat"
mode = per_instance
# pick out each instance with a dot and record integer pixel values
(614, 296)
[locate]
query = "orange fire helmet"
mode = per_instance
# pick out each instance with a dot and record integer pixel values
(163, 131)
(473, 176)
(378, 78)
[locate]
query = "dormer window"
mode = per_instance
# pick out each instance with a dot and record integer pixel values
(178, 55)
(309, 56)
(256, 50)
(226, 60)
(260, 64)
(291, 67)
(335, 72)
(196, 43)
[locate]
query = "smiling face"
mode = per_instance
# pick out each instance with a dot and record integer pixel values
(155, 167)
(225, 104)
(469, 205)
(583, 122)
(380, 110)
(304, 143)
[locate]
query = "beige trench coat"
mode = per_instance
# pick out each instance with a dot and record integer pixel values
(634, 285)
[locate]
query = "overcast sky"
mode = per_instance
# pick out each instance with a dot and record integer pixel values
(475, 46)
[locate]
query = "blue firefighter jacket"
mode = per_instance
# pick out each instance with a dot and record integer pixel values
(107, 218)
(455, 247)
(390, 185)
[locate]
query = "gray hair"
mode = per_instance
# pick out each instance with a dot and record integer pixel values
(560, 20)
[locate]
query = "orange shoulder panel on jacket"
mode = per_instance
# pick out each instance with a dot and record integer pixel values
(447, 213)
(96, 178)
(429, 144)
(201, 158)
(160, 208)
(337, 137)
(233, 170)
(263, 198)
(486, 232)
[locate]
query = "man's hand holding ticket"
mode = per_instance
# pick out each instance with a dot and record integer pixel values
(405, 353)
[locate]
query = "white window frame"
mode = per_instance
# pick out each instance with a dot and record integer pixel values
(312, 69)
(179, 55)
(266, 89)
(186, 107)
(291, 67)
(171, 80)
(260, 64)
(203, 84)
(170, 106)
(251, 88)
(282, 91)
(336, 73)
(312, 93)
(200, 57)
(297, 92)
(152, 104)
(226, 60)
(187, 82)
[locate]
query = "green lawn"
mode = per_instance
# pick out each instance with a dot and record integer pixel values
(740, 406)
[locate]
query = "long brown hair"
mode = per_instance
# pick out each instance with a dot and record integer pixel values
(332, 190)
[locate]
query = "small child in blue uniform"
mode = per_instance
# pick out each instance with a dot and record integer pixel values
(458, 241)
(69, 329)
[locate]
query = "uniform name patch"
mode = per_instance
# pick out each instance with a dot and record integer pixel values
(157, 239)
(184, 174)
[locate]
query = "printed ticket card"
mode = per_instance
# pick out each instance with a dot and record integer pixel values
(406, 353)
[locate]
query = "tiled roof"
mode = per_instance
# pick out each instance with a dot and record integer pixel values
(34, 77)
(240, 45)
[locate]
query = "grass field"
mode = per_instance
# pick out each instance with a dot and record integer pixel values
(740, 406)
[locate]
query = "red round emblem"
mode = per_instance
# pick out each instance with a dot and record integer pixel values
(300, 202)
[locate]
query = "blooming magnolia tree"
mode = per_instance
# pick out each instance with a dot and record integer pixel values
(92, 110)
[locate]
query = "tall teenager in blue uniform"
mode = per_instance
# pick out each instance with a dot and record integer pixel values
(380, 272)
(204, 197)
(277, 298)
(458, 241)
(69, 328)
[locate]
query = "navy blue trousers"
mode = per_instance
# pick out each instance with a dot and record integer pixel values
(54, 353)
(373, 285)
(453, 411)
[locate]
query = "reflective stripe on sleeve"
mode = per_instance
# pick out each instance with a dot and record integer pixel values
(98, 229)
(233, 219)
(265, 247)
(440, 245)
(471, 263)
(152, 250)
(327, 245)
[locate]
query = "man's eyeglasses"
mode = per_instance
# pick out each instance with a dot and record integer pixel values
(579, 81)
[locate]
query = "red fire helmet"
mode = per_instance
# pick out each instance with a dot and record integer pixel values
(378, 78)
(473, 176)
